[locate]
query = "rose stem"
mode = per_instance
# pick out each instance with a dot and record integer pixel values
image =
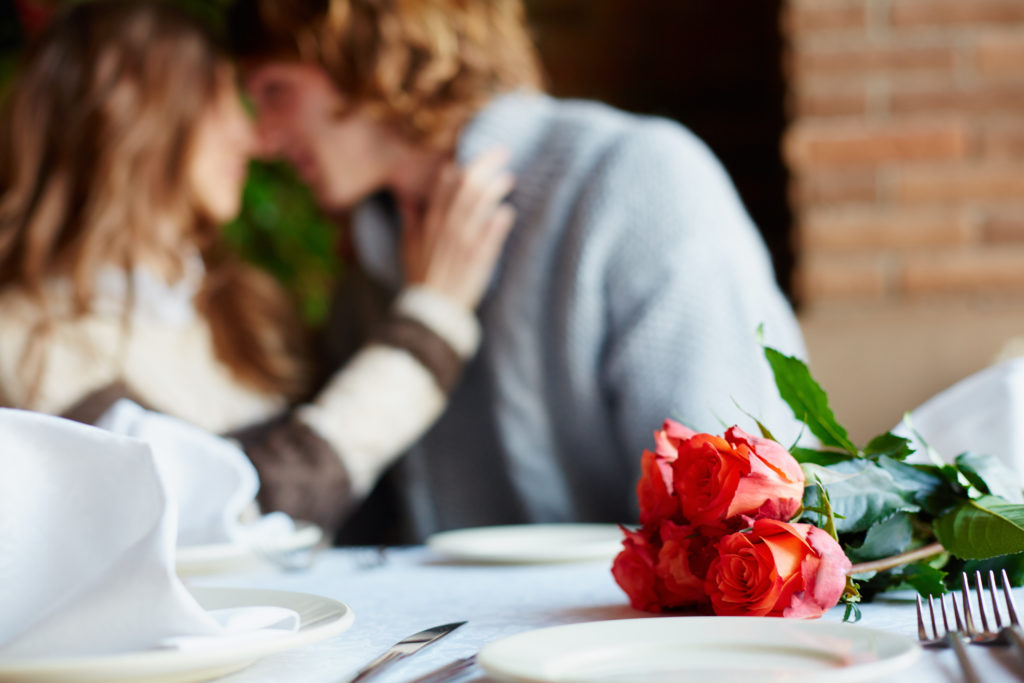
(897, 560)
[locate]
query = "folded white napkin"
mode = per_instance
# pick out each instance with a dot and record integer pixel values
(210, 478)
(87, 548)
(983, 413)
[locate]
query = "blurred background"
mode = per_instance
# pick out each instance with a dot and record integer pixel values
(878, 144)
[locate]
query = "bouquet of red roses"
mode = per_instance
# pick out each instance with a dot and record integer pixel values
(738, 525)
(716, 532)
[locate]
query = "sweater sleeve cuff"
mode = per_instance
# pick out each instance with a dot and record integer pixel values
(453, 323)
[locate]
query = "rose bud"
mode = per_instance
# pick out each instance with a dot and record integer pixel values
(736, 477)
(777, 569)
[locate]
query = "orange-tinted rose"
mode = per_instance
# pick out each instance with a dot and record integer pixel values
(655, 491)
(777, 569)
(735, 477)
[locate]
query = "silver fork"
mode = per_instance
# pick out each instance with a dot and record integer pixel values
(951, 638)
(1000, 635)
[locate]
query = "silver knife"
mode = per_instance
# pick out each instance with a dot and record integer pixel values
(449, 672)
(403, 649)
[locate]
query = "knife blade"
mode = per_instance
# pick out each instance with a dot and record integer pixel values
(449, 672)
(404, 648)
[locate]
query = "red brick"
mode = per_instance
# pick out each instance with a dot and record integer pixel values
(1003, 140)
(816, 16)
(830, 186)
(959, 184)
(818, 278)
(1000, 55)
(955, 12)
(941, 98)
(1004, 227)
(832, 143)
(986, 270)
(845, 100)
(873, 229)
(829, 61)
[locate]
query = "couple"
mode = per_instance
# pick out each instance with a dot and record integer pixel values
(629, 289)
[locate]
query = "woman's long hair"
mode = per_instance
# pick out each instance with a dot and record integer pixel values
(94, 144)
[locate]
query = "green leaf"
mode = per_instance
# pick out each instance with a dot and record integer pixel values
(924, 485)
(888, 445)
(989, 475)
(810, 455)
(807, 400)
(888, 537)
(860, 501)
(925, 579)
(852, 613)
(982, 528)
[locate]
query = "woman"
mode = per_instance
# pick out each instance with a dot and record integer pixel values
(123, 146)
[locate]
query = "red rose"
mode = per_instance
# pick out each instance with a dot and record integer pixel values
(777, 569)
(633, 570)
(683, 562)
(737, 476)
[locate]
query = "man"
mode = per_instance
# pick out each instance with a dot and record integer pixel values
(629, 291)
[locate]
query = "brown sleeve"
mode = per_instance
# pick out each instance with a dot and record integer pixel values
(360, 313)
(300, 474)
(425, 345)
(91, 407)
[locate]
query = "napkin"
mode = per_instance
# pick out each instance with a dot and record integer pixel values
(209, 477)
(983, 413)
(87, 533)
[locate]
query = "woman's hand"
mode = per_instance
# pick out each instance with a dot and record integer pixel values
(453, 244)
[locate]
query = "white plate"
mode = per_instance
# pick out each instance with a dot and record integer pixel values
(530, 543)
(320, 618)
(741, 649)
(218, 557)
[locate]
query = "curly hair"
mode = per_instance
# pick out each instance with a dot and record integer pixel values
(423, 66)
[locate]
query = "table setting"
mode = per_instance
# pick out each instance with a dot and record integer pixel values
(147, 560)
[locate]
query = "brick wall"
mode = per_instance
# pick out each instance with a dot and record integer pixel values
(906, 150)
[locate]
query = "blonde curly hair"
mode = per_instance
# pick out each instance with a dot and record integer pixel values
(423, 66)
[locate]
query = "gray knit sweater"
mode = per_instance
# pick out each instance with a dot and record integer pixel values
(630, 291)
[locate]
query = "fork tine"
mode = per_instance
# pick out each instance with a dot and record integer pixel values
(1011, 606)
(981, 600)
(922, 632)
(942, 604)
(965, 595)
(956, 613)
(992, 595)
(931, 612)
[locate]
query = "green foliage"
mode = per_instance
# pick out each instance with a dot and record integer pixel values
(882, 507)
(807, 400)
(281, 229)
(889, 537)
(988, 475)
(863, 499)
(982, 528)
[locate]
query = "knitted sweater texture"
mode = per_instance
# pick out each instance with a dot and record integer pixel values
(630, 290)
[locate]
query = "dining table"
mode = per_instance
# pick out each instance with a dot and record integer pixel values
(397, 591)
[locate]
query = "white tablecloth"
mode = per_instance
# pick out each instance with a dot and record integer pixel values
(414, 590)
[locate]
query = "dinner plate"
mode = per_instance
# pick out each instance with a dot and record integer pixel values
(320, 618)
(723, 649)
(530, 543)
(217, 557)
